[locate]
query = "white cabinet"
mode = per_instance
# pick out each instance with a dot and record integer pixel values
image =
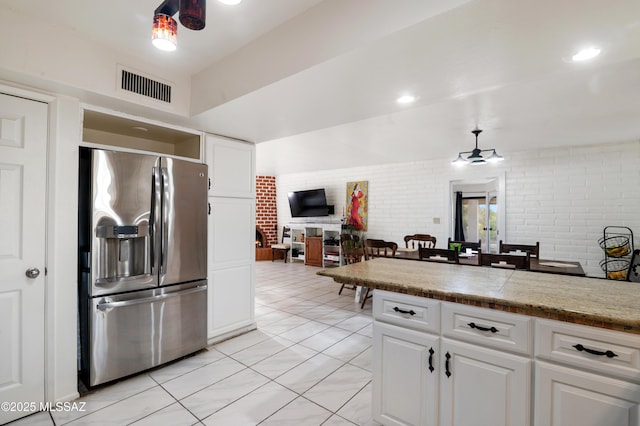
(570, 397)
(327, 254)
(231, 167)
(481, 386)
(422, 377)
(231, 237)
(484, 363)
(231, 299)
(405, 381)
(598, 381)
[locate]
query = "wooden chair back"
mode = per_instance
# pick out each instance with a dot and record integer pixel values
(419, 240)
(509, 261)
(464, 245)
(533, 250)
(283, 247)
(438, 255)
(379, 248)
(350, 251)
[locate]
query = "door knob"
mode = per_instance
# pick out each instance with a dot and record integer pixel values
(32, 273)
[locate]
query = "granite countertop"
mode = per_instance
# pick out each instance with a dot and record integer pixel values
(588, 301)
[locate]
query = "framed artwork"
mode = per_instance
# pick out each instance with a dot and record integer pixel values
(357, 214)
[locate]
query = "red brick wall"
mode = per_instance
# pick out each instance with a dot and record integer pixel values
(266, 211)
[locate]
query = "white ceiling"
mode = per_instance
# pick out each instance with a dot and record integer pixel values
(314, 82)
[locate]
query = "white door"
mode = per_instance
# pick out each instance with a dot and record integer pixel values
(480, 386)
(405, 376)
(23, 147)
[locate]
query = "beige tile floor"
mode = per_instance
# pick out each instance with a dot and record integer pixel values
(308, 363)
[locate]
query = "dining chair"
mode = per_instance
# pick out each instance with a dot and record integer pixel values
(351, 253)
(283, 247)
(438, 255)
(377, 248)
(533, 250)
(464, 245)
(509, 261)
(419, 240)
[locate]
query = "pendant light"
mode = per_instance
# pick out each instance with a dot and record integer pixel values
(164, 34)
(193, 13)
(476, 157)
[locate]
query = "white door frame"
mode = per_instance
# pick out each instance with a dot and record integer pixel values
(500, 177)
(51, 363)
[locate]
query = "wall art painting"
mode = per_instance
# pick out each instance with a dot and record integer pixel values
(357, 213)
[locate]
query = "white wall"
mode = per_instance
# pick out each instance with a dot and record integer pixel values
(562, 197)
(49, 52)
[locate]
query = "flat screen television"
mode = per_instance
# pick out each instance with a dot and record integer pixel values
(310, 203)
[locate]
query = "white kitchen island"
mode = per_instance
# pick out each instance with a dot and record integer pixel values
(474, 346)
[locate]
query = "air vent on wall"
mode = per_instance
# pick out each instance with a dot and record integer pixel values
(145, 86)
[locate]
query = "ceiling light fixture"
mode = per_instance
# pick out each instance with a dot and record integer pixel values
(164, 35)
(586, 54)
(405, 99)
(193, 14)
(476, 157)
(230, 2)
(165, 29)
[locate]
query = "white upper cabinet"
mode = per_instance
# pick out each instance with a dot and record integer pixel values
(231, 167)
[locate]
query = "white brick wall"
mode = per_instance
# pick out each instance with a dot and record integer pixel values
(562, 197)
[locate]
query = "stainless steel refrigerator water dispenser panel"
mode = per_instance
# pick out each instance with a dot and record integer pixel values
(124, 252)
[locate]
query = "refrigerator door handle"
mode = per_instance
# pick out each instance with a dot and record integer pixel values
(165, 221)
(152, 219)
(103, 306)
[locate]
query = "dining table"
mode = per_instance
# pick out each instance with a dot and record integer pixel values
(549, 266)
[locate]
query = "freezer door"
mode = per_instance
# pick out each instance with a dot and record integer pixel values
(135, 331)
(184, 227)
(122, 222)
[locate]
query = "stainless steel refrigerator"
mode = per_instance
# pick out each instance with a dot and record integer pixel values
(142, 267)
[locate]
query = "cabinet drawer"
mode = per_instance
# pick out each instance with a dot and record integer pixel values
(415, 312)
(495, 329)
(581, 346)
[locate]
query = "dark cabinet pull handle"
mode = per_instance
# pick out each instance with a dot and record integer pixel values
(446, 365)
(608, 354)
(209, 209)
(492, 329)
(431, 352)
(404, 312)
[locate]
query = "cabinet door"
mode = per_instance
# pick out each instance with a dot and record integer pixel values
(231, 232)
(569, 397)
(480, 386)
(405, 376)
(231, 167)
(230, 299)
(313, 251)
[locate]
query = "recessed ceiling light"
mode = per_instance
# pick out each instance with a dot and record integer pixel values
(405, 99)
(230, 2)
(586, 54)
